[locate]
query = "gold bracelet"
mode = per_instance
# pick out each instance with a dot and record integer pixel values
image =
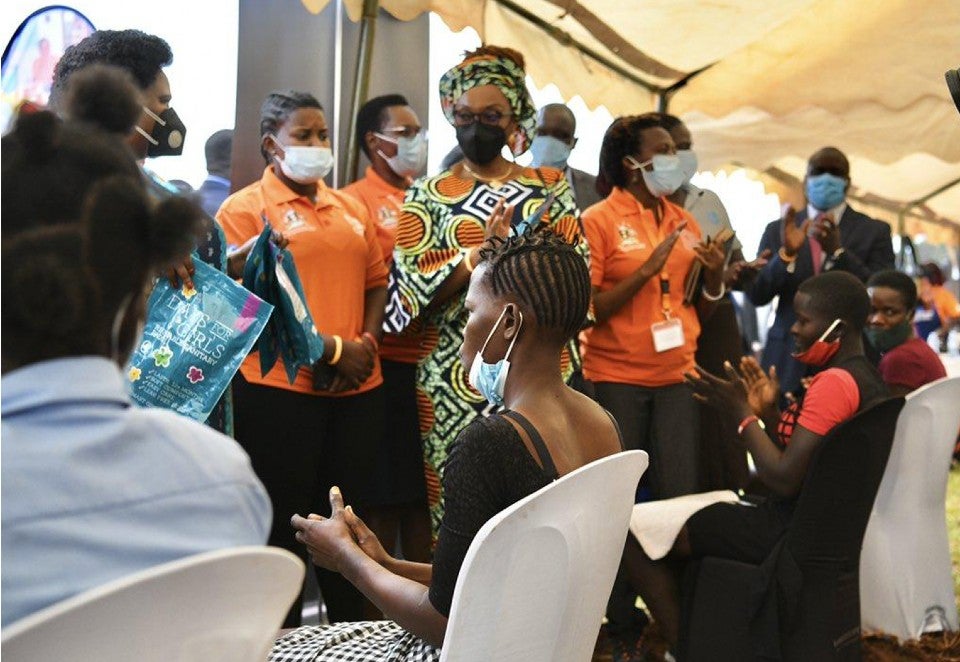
(466, 261)
(786, 258)
(337, 350)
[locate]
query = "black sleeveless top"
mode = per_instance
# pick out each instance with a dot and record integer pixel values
(488, 469)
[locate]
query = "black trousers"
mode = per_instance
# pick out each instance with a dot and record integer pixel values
(301, 445)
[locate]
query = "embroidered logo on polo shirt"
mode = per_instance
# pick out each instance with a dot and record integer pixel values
(293, 220)
(629, 241)
(355, 224)
(387, 217)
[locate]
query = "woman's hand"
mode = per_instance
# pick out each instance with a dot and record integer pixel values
(365, 538)
(498, 225)
(237, 258)
(793, 237)
(354, 367)
(328, 539)
(658, 258)
(712, 256)
(182, 274)
(763, 391)
(728, 395)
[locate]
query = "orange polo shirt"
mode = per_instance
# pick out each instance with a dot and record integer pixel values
(384, 202)
(334, 246)
(622, 234)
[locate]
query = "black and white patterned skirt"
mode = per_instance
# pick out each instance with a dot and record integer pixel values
(353, 642)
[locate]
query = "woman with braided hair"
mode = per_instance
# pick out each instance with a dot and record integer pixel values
(527, 297)
(444, 220)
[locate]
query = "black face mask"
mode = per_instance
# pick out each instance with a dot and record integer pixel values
(481, 143)
(166, 138)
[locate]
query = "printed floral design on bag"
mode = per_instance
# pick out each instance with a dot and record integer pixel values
(162, 357)
(193, 342)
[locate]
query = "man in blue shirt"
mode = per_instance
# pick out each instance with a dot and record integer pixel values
(216, 187)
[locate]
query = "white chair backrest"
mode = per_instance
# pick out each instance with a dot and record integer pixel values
(905, 561)
(534, 583)
(222, 605)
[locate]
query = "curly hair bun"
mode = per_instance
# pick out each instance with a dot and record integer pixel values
(105, 96)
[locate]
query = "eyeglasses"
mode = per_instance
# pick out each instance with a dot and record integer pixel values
(402, 131)
(466, 117)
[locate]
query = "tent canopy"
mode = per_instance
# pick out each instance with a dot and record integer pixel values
(762, 84)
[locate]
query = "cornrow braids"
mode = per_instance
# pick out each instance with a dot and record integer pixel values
(277, 108)
(546, 273)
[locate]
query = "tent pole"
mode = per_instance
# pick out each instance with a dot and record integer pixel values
(902, 216)
(368, 28)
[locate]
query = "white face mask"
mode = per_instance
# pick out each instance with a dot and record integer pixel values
(411, 156)
(305, 165)
(688, 163)
(666, 176)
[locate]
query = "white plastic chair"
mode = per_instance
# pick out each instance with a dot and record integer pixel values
(222, 605)
(535, 581)
(905, 560)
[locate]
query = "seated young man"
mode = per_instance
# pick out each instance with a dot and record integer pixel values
(906, 361)
(831, 310)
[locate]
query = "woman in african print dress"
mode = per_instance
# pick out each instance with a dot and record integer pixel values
(446, 217)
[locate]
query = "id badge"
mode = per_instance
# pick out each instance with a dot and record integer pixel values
(667, 335)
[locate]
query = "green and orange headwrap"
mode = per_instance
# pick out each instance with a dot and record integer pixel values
(509, 79)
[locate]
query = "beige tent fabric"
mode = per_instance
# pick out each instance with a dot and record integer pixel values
(785, 77)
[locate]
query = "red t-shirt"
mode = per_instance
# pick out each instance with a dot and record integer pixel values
(832, 398)
(911, 364)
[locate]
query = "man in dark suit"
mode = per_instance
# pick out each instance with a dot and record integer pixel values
(828, 235)
(216, 187)
(555, 139)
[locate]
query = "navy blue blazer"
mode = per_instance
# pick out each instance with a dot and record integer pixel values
(212, 194)
(867, 249)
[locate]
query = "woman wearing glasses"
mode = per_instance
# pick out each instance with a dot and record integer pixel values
(444, 221)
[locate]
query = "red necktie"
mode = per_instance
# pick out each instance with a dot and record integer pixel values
(816, 250)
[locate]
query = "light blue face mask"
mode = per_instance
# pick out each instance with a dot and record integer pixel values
(826, 191)
(666, 176)
(688, 163)
(490, 379)
(549, 151)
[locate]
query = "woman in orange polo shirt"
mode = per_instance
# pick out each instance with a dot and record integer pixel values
(301, 440)
(642, 246)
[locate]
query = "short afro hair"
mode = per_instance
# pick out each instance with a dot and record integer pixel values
(898, 281)
(143, 55)
(838, 294)
(373, 114)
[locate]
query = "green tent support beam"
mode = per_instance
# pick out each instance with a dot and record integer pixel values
(368, 29)
(565, 39)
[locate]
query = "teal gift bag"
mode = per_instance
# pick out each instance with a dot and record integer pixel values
(291, 335)
(194, 341)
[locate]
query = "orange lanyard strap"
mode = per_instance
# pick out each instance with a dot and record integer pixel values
(664, 276)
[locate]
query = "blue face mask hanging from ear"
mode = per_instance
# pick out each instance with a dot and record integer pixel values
(490, 379)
